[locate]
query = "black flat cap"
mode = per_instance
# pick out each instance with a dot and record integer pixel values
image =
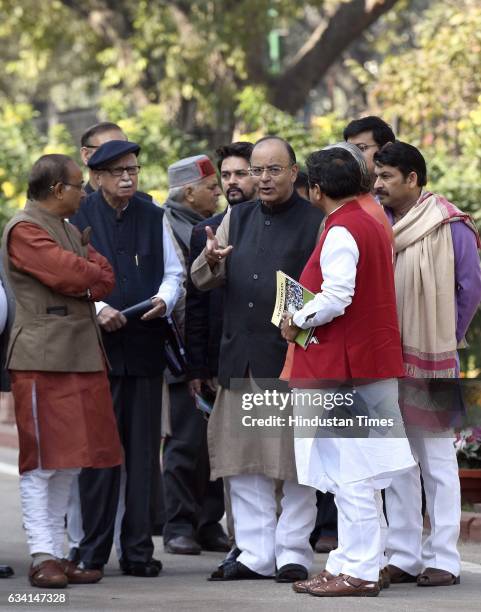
(110, 151)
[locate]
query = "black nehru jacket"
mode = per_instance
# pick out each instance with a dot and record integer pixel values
(133, 244)
(265, 240)
(203, 313)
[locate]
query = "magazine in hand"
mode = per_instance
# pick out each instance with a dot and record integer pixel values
(291, 296)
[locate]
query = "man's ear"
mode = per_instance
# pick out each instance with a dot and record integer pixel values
(315, 193)
(84, 152)
(294, 172)
(57, 190)
(412, 179)
(189, 194)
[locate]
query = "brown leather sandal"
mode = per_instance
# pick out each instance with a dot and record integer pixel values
(432, 577)
(302, 586)
(346, 586)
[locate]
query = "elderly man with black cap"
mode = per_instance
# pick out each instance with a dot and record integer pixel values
(132, 233)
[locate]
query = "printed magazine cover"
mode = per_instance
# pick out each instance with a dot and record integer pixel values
(291, 296)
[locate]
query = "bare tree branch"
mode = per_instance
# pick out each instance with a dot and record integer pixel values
(289, 91)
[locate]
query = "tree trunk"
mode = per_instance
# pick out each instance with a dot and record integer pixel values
(290, 90)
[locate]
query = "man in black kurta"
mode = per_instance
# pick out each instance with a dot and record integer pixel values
(277, 232)
(132, 234)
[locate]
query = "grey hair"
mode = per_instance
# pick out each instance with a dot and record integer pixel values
(177, 194)
(359, 157)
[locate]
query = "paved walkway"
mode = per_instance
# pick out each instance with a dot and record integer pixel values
(182, 585)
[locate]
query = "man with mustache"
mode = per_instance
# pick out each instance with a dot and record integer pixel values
(132, 234)
(204, 309)
(438, 289)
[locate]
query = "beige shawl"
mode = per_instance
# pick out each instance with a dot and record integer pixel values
(425, 287)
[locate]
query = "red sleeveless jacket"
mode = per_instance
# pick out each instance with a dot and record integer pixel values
(364, 342)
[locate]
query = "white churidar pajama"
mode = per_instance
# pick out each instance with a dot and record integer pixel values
(267, 542)
(359, 531)
(44, 495)
(439, 468)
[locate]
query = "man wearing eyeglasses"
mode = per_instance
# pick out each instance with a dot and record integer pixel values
(194, 505)
(93, 138)
(276, 232)
(369, 134)
(56, 360)
(132, 233)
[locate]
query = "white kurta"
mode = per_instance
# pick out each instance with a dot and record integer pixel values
(347, 459)
(330, 458)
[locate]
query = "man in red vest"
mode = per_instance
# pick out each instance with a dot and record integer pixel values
(355, 353)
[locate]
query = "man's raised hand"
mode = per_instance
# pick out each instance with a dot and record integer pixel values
(213, 252)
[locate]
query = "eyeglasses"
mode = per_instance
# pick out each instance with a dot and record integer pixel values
(364, 147)
(91, 146)
(119, 170)
(273, 170)
(78, 186)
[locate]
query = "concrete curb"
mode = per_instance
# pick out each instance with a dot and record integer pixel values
(471, 527)
(8, 435)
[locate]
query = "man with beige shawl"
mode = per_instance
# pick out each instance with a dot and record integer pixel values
(438, 289)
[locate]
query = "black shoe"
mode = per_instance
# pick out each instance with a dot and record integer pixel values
(73, 555)
(182, 545)
(236, 571)
(218, 543)
(151, 569)
(230, 558)
(6, 571)
(292, 572)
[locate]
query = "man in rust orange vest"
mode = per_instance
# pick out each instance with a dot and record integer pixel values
(344, 444)
(63, 405)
